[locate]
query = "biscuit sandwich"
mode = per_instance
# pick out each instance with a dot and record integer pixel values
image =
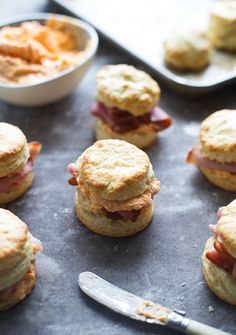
(17, 260)
(216, 153)
(16, 162)
(222, 25)
(115, 188)
(219, 257)
(126, 106)
(187, 50)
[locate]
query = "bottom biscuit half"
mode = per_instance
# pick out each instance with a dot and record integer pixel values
(142, 139)
(17, 292)
(100, 224)
(222, 179)
(218, 280)
(18, 190)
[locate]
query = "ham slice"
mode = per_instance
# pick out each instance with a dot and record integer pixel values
(121, 121)
(195, 157)
(7, 182)
(220, 256)
(127, 215)
(35, 148)
(71, 168)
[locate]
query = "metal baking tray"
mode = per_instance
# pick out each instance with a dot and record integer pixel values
(140, 28)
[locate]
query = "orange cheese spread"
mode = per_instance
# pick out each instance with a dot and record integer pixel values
(33, 52)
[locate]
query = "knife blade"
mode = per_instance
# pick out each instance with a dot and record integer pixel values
(139, 309)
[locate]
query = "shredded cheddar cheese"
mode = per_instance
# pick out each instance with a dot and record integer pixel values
(32, 51)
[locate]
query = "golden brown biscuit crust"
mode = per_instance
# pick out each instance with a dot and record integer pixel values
(14, 151)
(13, 236)
(218, 280)
(227, 227)
(142, 137)
(222, 179)
(125, 87)
(9, 298)
(218, 136)
(114, 170)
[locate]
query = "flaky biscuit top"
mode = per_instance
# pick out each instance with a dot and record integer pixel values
(16, 249)
(124, 87)
(227, 227)
(218, 136)
(14, 151)
(190, 41)
(114, 170)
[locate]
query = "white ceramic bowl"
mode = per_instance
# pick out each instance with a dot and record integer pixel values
(55, 87)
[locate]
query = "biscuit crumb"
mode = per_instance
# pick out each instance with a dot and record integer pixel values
(210, 309)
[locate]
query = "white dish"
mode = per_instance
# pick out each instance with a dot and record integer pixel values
(55, 87)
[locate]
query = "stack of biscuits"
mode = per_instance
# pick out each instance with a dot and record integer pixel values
(216, 153)
(126, 106)
(115, 186)
(16, 162)
(219, 257)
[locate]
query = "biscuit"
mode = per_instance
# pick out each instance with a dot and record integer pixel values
(114, 170)
(17, 254)
(222, 179)
(100, 224)
(124, 87)
(14, 151)
(222, 25)
(218, 280)
(188, 50)
(218, 136)
(142, 137)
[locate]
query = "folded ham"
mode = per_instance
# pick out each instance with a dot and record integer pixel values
(121, 121)
(7, 182)
(195, 157)
(71, 168)
(127, 215)
(220, 256)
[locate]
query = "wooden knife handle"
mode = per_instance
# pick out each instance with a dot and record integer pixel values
(197, 328)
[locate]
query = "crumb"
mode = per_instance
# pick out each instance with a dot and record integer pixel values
(210, 309)
(183, 284)
(116, 248)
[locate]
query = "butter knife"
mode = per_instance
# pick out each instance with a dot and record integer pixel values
(140, 309)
